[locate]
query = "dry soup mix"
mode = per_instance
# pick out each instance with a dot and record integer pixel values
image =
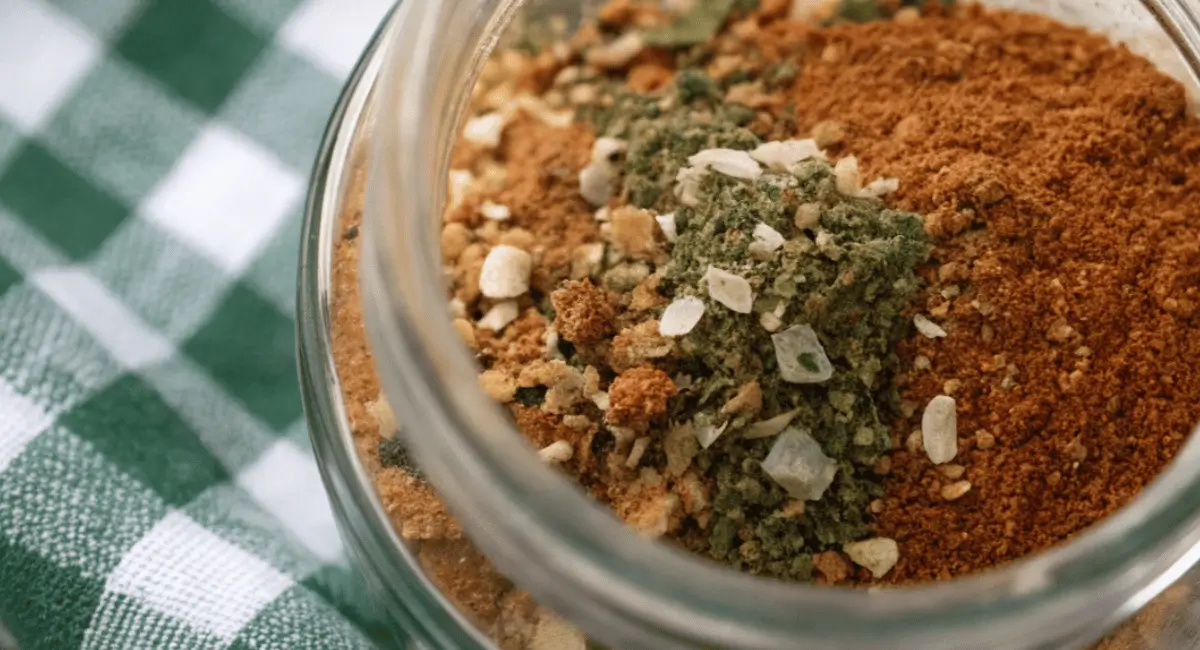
(864, 292)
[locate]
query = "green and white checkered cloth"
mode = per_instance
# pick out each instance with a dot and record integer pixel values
(157, 488)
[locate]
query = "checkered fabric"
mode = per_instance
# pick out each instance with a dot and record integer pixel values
(157, 488)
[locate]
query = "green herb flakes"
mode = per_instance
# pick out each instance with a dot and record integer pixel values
(809, 308)
(696, 26)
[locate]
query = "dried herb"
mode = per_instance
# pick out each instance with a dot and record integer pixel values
(849, 274)
(694, 27)
(393, 453)
(852, 289)
(531, 396)
(866, 11)
(661, 139)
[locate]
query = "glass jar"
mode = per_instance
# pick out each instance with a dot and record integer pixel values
(407, 95)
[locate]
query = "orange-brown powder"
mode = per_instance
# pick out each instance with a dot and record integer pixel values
(1061, 179)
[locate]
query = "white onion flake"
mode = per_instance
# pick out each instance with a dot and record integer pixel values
(729, 289)
(730, 162)
(801, 358)
(939, 430)
(500, 315)
(928, 328)
(881, 187)
(849, 180)
(667, 223)
(877, 555)
(767, 240)
(781, 155)
(681, 316)
(707, 431)
(770, 427)
(798, 464)
(495, 211)
(505, 272)
(485, 129)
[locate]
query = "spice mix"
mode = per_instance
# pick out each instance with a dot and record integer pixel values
(860, 293)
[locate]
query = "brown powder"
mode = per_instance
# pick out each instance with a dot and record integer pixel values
(542, 190)
(639, 397)
(1061, 176)
(413, 507)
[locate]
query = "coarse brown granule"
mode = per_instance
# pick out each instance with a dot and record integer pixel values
(1062, 177)
(636, 233)
(639, 397)
(585, 312)
(542, 429)
(832, 567)
(518, 345)
(645, 295)
(639, 344)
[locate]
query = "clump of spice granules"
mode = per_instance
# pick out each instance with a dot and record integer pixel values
(662, 252)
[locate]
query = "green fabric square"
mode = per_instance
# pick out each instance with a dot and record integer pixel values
(293, 619)
(64, 501)
(102, 17)
(193, 47)
(344, 588)
(120, 129)
(137, 431)
(44, 604)
(129, 622)
(73, 214)
(265, 15)
(132, 623)
(9, 141)
(273, 274)
(284, 103)
(247, 345)
(8, 276)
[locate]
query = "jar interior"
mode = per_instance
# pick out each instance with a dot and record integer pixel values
(495, 604)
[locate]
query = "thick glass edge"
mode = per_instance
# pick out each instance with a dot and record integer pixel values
(1103, 559)
(415, 608)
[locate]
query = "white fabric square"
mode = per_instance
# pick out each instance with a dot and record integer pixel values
(21, 420)
(225, 197)
(333, 33)
(186, 572)
(43, 55)
(286, 483)
(119, 331)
